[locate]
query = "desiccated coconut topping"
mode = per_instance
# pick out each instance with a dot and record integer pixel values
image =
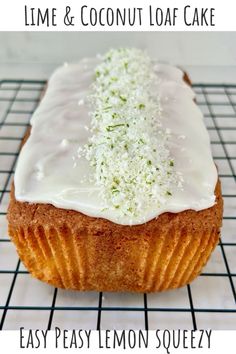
(128, 150)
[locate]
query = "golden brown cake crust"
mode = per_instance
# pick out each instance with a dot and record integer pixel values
(71, 250)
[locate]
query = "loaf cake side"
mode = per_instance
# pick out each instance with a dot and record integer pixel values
(71, 250)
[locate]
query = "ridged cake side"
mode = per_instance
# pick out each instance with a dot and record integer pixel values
(71, 250)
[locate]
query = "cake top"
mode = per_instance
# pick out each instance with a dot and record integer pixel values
(118, 137)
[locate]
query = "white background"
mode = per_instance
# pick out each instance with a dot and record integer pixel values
(208, 56)
(12, 15)
(220, 341)
(186, 48)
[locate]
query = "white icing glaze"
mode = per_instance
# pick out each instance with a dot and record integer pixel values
(49, 170)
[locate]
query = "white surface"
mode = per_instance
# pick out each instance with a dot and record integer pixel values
(180, 48)
(206, 56)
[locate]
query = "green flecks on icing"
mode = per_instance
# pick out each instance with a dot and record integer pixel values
(128, 150)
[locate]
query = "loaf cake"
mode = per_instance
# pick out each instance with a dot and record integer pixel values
(115, 187)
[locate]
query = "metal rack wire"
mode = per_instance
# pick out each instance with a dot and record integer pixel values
(210, 301)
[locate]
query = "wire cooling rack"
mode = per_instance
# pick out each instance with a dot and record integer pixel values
(209, 302)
